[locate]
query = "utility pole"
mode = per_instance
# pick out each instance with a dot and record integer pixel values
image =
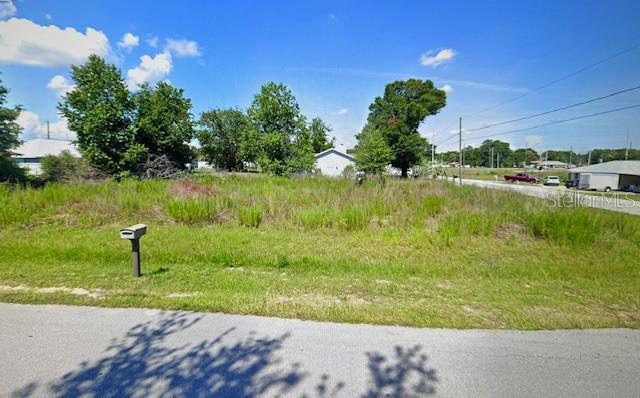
(433, 154)
(460, 148)
(589, 159)
(626, 151)
(570, 153)
(48, 135)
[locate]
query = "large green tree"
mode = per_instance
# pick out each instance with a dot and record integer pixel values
(398, 114)
(319, 135)
(9, 138)
(9, 129)
(100, 110)
(221, 135)
(163, 124)
(372, 153)
(280, 143)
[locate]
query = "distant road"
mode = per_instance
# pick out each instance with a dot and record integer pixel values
(86, 351)
(561, 195)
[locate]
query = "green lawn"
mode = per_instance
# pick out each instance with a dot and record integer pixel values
(417, 253)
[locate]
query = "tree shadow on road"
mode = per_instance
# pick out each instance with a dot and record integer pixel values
(150, 361)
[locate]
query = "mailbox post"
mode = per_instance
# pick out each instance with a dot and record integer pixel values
(134, 233)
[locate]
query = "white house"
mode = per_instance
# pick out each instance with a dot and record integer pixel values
(332, 162)
(29, 155)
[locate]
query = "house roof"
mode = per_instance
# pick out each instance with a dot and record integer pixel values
(550, 163)
(631, 167)
(332, 150)
(41, 147)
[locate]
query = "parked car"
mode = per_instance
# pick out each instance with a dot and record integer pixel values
(523, 177)
(571, 183)
(551, 180)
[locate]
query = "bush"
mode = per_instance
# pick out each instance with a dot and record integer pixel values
(10, 171)
(66, 167)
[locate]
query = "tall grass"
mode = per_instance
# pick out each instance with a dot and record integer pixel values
(254, 201)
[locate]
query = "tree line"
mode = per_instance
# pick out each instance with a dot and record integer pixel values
(504, 156)
(118, 130)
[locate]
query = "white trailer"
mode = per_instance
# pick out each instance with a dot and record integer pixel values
(599, 181)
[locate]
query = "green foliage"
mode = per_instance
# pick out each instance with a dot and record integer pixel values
(65, 167)
(163, 122)
(100, 110)
(319, 135)
(222, 133)
(193, 210)
(372, 152)
(9, 129)
(9, 139)
(10, 171)
(398, 114)
(250, 216)
(280, 143)
(117, 131)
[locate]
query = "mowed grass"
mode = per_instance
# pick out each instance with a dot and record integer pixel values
(418, 253)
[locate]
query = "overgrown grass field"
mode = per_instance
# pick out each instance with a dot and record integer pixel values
(419, 253)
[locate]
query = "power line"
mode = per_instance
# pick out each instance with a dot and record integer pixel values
(554, 110)
(559, 121)
(557, 80)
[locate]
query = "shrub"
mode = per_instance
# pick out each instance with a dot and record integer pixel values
(65, 167)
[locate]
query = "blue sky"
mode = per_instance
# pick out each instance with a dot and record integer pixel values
(338, 55)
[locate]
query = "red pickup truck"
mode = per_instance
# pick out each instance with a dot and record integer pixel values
(522, 177)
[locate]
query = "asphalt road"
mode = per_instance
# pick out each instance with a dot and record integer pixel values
(86, 351)
(560, 196)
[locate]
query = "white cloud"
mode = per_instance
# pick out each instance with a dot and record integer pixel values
(153, 41)
(341, 111)
(129, 41)
(32, 127)
(60, 85)
(7, 9)
(27, 43)
(431, 58)
(447, 88)
(183, 48)
(150, 70)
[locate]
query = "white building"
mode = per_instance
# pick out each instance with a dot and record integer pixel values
(618, 175)
(29, 155)
(332, 162)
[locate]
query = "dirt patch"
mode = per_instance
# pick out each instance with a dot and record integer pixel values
(508, 230)
(76, 291)
(322, 301)
(192, 189)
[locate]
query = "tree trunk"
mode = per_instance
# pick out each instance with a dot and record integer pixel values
(404, 172)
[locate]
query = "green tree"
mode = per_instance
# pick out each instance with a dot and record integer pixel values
(319, 135)
(100, 110)
(9, 138)
(280, 143)
(222, 133)
(398, 114)
(372, 152)
(500, 151)
(163, 125)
